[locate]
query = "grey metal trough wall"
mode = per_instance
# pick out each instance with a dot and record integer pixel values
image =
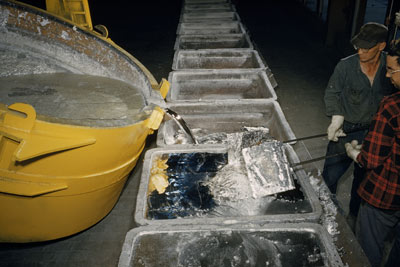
(246, 245)
(206, 7)
(212, 85)
(236, 40)
(217, 59)
(206, 17)
(209, 27)
(227, 116)
(303, 207)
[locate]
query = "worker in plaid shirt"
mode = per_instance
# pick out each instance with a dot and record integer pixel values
(379, 154)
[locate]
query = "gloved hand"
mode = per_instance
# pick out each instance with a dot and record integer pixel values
(353, 149)
(397, 19)
(335, 128)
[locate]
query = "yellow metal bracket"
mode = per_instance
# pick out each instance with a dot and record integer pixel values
(18, 125)
(155, 119)
(164, 87)
(74, 10)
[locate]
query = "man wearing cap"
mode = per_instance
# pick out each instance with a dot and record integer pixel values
(352, 96)
(379, 154)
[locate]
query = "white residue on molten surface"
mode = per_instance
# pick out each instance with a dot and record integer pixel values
(4, 13)
(43, 22)
(65, 35)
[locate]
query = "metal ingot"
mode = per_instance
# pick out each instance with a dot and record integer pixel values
(189, 197)
(67, 150)
(252, 245)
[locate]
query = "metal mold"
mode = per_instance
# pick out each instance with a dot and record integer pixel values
(212, 8)
(217, 59)
(236, 40)
(227, 116)
(248, 245)
(205, 1)
(298, 205)
(211, 85)
(206, 6)
(207, 17)
(210, 27)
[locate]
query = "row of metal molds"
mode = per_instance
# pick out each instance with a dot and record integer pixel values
(220, 85)
(65, 94)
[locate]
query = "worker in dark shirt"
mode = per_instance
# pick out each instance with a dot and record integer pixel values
(352, 96)
(380, 189)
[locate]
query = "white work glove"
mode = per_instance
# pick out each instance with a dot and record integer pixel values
(353, 149)
(397, 19)
(335, 128)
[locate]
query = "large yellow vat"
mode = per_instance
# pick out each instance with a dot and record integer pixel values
(60, 172)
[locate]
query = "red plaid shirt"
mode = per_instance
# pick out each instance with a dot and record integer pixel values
(380, 155)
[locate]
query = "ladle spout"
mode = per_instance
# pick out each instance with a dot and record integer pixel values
(181, 123)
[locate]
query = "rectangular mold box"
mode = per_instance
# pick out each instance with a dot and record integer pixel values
(205, 1)
(303, 206)
(217, 59)
(220, 41)
(198, 9)
(206, 6)
(209, 17)
(227, 116)
(214, 246)
(210, 27)
(211, 85)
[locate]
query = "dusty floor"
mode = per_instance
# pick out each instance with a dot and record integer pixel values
(289, 38)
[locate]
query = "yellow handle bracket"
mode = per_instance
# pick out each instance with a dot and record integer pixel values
(164, 87)
(155, 119)
(18, 124)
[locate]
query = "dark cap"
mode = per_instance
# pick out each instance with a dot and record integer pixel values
(370, 35)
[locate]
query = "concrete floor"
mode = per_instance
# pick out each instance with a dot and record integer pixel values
(289, 38)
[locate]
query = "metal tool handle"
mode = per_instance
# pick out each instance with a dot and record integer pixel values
(305, 138)
(322, 135)
(316, 159)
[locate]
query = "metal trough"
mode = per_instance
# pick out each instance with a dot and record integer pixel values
(297, 205)
(205, 6)
(226, 116)
(208, 9)
(207, 17)
(211, 85)
(217, 59)
(237, 40)
(246, 245)
(210, 27)
(205, 1)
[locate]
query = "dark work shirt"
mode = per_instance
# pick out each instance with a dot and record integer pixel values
(380, 155)
(349, 91)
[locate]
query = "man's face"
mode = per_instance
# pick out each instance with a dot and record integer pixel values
(370, 54)
(393, 70)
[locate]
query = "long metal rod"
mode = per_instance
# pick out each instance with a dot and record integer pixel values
(317, 159)
(322, 135)
(305, 138)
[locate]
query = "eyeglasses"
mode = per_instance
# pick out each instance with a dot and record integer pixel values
(391, 72)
